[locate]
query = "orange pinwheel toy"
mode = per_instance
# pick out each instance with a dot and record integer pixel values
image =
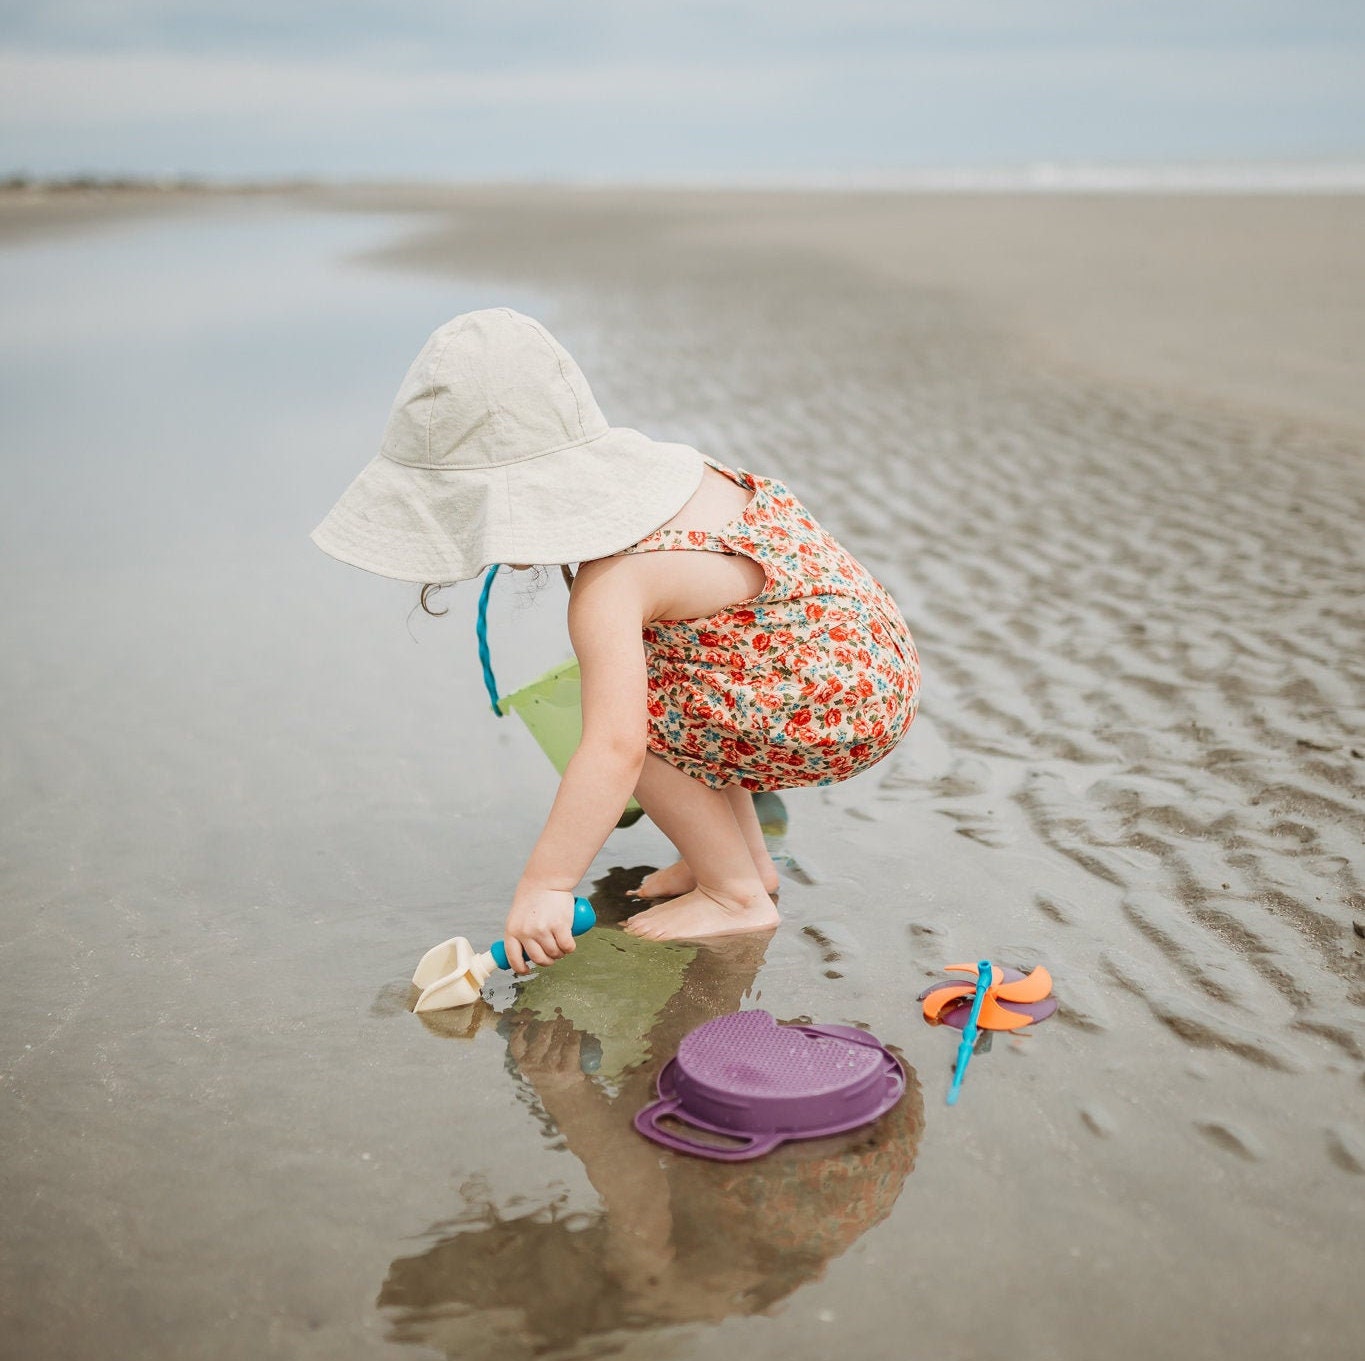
(1013, 999)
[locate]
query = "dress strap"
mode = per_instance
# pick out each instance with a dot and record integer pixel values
(724, 471)
(670, 540)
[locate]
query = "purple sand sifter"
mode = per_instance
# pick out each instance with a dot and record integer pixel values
(751, 1084)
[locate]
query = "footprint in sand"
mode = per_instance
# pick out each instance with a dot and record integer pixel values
(834, 945)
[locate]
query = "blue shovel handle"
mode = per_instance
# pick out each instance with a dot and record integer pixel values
(584, 919)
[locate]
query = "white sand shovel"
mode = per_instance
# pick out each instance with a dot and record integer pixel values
(452, 975)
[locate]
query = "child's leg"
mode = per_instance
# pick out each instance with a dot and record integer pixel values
(675, 879)
(742, 805)
(701, 823)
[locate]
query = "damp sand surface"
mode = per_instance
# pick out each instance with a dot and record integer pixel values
(243, 790)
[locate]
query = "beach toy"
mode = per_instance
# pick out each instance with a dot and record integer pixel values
(742, 1084)
(1012, 1001)
(969, 1031)
(451, 974)
(551, 707)
(996, 999)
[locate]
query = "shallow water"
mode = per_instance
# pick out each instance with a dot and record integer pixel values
(244, 791)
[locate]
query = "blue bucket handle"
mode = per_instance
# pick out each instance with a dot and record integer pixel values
(484, 659)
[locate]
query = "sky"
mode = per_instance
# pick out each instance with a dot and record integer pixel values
(677, 91)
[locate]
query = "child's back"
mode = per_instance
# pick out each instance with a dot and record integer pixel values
(805, 675)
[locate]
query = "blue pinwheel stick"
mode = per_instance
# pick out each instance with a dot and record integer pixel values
(969, 1031)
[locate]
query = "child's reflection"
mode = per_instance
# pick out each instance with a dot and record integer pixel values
(677, 1239)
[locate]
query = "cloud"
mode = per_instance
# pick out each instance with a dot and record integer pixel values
(637, 104)
(533, 27)
(57, 89)
(71, 89)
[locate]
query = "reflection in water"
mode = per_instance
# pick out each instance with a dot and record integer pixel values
(677, 1239)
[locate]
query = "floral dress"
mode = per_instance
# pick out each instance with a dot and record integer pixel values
(809, 682)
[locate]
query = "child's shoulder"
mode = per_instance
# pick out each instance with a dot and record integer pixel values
(609, 592)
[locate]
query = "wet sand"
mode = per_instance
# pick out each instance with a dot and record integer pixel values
(1254, 302)
(1105, 450)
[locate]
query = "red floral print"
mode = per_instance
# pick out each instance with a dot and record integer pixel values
(811, 681)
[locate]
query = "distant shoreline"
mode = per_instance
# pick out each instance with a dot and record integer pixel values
(33, 208)
(1327, 175)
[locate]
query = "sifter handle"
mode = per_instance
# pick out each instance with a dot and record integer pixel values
(675, 1135)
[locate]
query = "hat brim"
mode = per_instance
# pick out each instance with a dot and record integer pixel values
(446, 525)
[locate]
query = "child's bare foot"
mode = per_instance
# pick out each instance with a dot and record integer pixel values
(699, 914)
(676, 879)
(669, 882)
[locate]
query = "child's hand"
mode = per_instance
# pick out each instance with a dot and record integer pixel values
(539, 927)
(548, 1052)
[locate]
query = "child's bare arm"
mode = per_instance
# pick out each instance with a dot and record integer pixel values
(606, 613)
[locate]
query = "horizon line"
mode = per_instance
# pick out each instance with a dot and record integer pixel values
(1205, 175)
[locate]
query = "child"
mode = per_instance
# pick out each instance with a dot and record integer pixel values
(726, 642)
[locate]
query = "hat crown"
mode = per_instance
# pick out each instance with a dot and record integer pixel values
(489, 388)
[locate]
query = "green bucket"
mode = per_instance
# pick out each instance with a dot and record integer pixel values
(552, 708)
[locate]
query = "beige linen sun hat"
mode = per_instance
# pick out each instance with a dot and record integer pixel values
(496, 452)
